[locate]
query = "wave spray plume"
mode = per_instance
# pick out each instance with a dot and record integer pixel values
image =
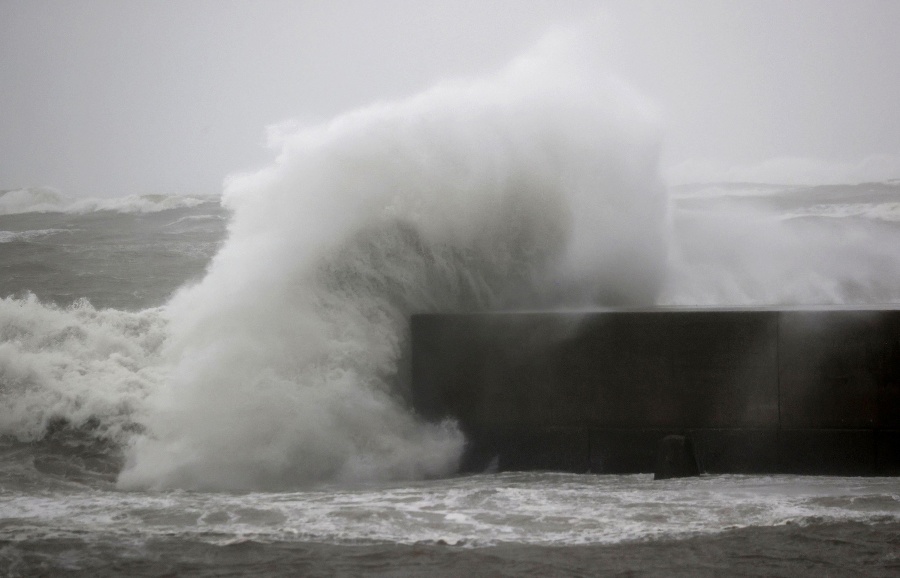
(536, 187)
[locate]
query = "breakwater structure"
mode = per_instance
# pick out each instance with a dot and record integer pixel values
(801, 391)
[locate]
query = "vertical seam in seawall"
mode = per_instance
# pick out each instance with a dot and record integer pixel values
(778, 448)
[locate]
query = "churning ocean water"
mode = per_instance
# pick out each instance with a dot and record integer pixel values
(206, 385)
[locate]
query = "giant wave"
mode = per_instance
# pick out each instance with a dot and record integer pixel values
(287, 364)
(287, 358)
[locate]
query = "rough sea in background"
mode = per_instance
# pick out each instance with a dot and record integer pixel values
(76, 372)
(192, 383)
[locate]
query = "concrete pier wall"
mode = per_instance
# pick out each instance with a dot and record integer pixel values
(799, 391)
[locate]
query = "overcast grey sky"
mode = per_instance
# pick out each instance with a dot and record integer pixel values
(110, 97)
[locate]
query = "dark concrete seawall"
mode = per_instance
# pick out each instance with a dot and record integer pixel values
(758, 391)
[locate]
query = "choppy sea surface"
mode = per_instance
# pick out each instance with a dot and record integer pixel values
(83, 319)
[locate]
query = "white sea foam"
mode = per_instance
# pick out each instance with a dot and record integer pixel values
(285, 366)
(46, 200)
(523, 508)
(196, 218)
(75, 363)
(13, 236)
(538, 183)
(875, 211)
(33, 199)
(718, 190)
(729, 252)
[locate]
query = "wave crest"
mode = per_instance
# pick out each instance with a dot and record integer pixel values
(77, 365)
(46, 200)
(536, 186)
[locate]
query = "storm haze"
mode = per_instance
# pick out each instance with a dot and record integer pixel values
(221, 219)
(106, 98)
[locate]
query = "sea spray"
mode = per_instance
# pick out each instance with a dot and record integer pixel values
(747, 246)
(534, 187)
(286, 366)
(48, 200)
(77, 366)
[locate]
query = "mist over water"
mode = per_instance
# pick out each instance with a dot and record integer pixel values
(532, 187)
(744, 244)
(285, 363)
(194, 384)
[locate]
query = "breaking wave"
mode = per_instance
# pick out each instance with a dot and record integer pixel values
(749, 244)
(287, 364)
(46, 200)
(287, 360)
(76, 365)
